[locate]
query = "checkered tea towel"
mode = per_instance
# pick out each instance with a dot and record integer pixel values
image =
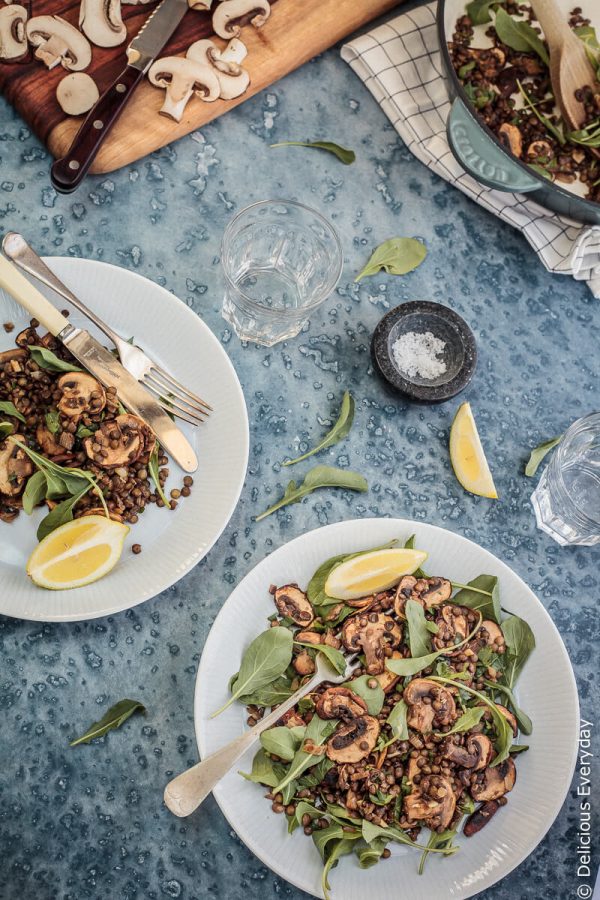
(400, 64)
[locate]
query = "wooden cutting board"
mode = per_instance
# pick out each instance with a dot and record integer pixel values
(296, 31)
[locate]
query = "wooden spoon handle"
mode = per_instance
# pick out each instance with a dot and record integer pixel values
(553, 23)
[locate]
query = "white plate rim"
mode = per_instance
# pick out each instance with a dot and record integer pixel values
(407, 526)
(159, 585)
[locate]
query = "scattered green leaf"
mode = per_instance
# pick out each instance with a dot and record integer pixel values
(316, 478)
(337, 432)
(344, 155)
(397, 256)
(113, 718)
(538, 454)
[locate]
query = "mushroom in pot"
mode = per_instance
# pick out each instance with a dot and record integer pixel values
(230, 15)
(370, 633)
(101, 22)
(353, 740)
(340, 703)
(292, 603)
(432, 801)
(58, 42)
(430, 705)
(13, 39)
(182, 78)
(80, 393)
(15, 468)
(510, 136)
(121, 442)
(494, 782)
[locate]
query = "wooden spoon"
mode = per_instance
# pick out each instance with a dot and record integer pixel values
(570, 68)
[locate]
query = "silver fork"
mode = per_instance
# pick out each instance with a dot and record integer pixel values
(186, 792)
(173, 396)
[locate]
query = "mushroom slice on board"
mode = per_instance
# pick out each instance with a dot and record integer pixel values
(58, 42)
(420, 696)
(182, 78)
(80, 393)
(121, 442)
(340, 703)
(293, 603)
(13, 37)
(77, 93)
(230, 15)
(233, 79)
(354, 740)
(494, 782)
(101, 22)
(15, 468)
(431, 801)
(370, 632)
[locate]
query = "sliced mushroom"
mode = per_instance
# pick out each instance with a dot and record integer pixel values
(304, 664)
(476, 754)
(13, 355)
(482, 816)
(99, 511)
(510, 136)
(494, 782)
(121, 442)
(430, 705)
(182, 78)
(432, 801)
(15, 468)
(77, 93)
(233, 79)
(370, 633)
(58, 42)
(539, 150)
(202, 5)
(47, 442)
(101, 22)
(353, 740)
(80, 393)
(387, 680)
(13, 38)
(492, 635)
(293, 603)
(428, 592)
(308, 637)
(340, 703)
(230, 15)
(453, 627)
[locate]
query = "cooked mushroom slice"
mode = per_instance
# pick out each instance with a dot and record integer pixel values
(540, 149)
(493, 636)
(494, 782)
(415, 764)
(340, 703)
(432, 801)
(387, 680)
(76, 93)
(482, 816)
(370, 633)
(510, 136)
(46, 440)
(453, 627)
(308, 637)
(426, 591)
(121, 442)
(80, 393)
(294, 604)
(233, 79)
(13, 355)
(13, 39)
(15, 468)
(476, 754)
(230, 15)
(99, 511)
(430, 705)
(353, 740)
(182, 78)
(202, 5)
(303, 664)
(101, 22)
(58, 42)
(330, 640)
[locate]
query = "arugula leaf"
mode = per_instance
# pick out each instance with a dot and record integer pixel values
(370, 832)
(113, 718)
(62, 513)
(522, 718)
(283, 741)
(11, 410)
(342, 847)
(336, 433)
(418, 633)
(538, 453)
(35, 491)
(317, 732)
(520, 642)
(373, 697)
(84, 431)
(468, 720)
(5, 430)
(153, 470)
(410, 545)
(397, 256)
(264, 770)
(411, 666)
(344, 155)
(555, 130)
(518, 748)
(272, 694)
(519, 35)
(316, 478)
(482, 594)
(369, 854)
(397, 720)
(267, 657)
(436, 843)
(479, 11)
(316, 586)
(335, 657)
(46, 359)
(52, 421)
(317, 773)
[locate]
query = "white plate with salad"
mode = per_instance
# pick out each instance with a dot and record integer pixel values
(462, 713)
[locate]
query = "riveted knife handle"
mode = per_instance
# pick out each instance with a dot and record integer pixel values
(68, 172)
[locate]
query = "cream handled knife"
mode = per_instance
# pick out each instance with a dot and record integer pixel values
(100, 363)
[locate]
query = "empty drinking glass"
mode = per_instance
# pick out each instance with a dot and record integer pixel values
(567, 498)
(281, 261)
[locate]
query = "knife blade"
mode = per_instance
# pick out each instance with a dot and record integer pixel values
(101, 364)
(67, 173)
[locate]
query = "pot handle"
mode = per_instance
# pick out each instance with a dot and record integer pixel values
(480, 156)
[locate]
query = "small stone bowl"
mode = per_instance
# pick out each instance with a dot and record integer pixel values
(459, 355)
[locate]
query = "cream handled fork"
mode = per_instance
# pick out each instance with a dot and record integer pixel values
(170, 393)
(186, 792)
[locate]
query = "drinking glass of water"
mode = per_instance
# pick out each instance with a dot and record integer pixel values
(567, 498)
(281, 261)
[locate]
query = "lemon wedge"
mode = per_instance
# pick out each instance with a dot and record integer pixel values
(467, 455)
(372, 572)
(77, 553)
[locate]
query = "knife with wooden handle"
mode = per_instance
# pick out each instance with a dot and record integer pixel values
(68, 172)
(100, 363)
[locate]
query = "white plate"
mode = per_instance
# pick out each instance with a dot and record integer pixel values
(172, 542)
(546, 691)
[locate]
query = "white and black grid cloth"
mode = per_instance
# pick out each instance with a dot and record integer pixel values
(400, 64)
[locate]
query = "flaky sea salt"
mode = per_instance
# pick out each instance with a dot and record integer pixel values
(416, 354)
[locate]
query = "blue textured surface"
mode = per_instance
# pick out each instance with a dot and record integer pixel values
(89, 822)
